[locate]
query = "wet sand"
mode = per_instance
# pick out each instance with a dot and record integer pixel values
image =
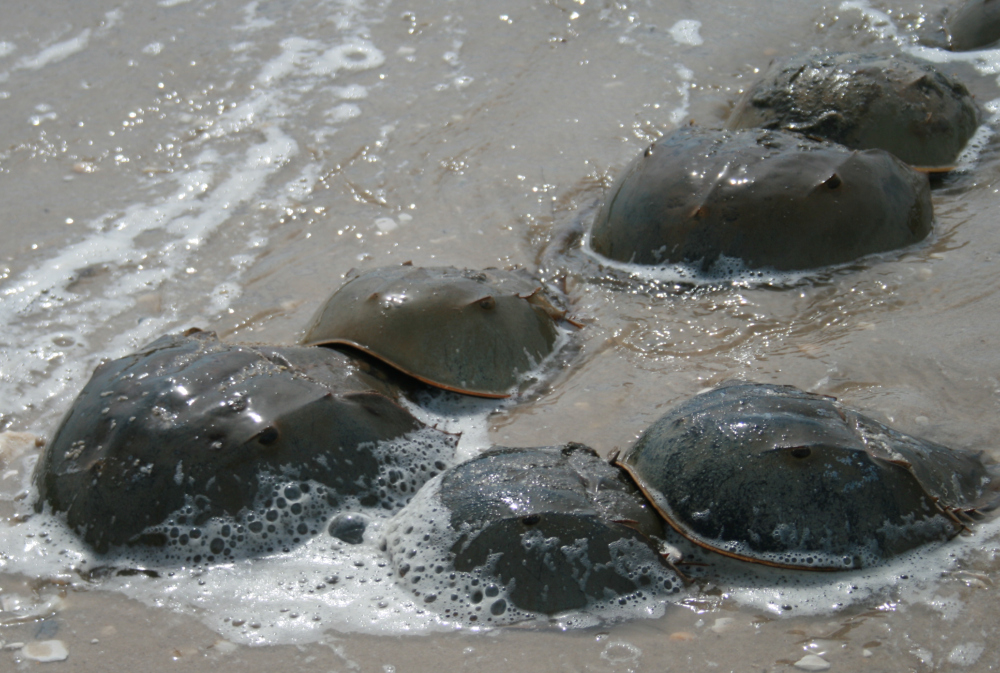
(224, 164)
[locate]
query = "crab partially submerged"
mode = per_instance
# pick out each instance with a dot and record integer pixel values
(774, 475)
(539, 530)
(976, 24)
(864, 101)
(472, 332)
(190, 422)
(770, 199)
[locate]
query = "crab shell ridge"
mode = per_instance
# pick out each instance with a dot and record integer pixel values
(472, 332)
(773, 475)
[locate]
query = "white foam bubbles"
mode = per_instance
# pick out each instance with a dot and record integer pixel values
(723, 270)
(353, 55)
(292, 595)
(344, 112)
(295, 51)
(421, 540)
(272, 574)
(966, 654)
(300, 55)
(879, 22)
(56, 332)
(251, 21)
(912, 577)
(55, 53)
(41, 287)
(680, 113)
(350, 92)
(685, 32)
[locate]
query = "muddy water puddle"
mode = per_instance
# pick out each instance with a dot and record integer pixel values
(224, 164)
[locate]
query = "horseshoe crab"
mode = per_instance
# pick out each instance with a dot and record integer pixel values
(864, 101)
(472, 332)
(190, 422)
(537, 530)
(976, 24)
(767, 198)
(778, 476)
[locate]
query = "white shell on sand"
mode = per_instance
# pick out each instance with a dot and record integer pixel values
(225, 646)
(811, 662)
(45, 651)
(722, 624)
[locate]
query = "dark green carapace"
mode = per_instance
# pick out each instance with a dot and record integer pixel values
(550, 529)
(778, 476)
(768, 199)
(190, 419)
(864, 101)
(473, 332)
(974, 25)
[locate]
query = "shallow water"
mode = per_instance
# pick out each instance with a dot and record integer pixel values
(224, 164)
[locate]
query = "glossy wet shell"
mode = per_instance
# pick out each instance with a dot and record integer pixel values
(189, 418)
(778, 476)
(549, 529)
(767, 198)
(864, 101)
(473, 332)
(976, 24)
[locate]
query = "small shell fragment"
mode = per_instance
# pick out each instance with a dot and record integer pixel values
(812, 662)
(45, 651)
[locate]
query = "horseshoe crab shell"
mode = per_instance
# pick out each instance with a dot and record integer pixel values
(190, 419)
(539, 530)
(774, 475)
(864, 101)
(473, 332)
(976, 24)
(768, 198)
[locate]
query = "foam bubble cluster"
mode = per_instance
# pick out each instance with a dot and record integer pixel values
(193, 424)
(520, 534)
(289, 511)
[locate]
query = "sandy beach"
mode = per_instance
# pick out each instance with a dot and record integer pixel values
(223, 164)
